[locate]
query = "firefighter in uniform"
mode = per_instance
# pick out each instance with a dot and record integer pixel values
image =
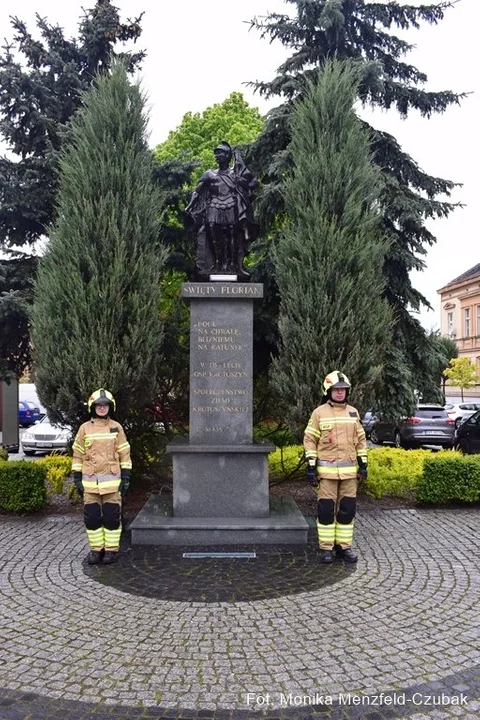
(336, 452)
(101, 472)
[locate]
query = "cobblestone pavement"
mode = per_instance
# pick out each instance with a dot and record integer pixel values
(396, 636)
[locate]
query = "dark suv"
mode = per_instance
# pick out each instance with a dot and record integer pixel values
(467, 438)
(430, 425)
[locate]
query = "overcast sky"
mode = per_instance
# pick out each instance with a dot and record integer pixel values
(199, 51)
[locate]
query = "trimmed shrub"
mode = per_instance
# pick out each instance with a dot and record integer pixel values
(3, 453)
(287, 463)
(22, 486)
(450, 477)
(394, 471)
(58, 469)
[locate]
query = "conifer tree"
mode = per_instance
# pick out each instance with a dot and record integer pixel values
(42, 78)
(96, 314)
(364, 32)
(329, 257)
(42, 81)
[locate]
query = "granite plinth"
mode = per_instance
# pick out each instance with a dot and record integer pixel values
(155, 524)
(220, 480)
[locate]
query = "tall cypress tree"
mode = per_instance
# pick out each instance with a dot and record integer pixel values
(42, 79)
(328, 259)
(363, 32)
(96, 314)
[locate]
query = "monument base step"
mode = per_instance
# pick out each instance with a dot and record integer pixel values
(156, 525)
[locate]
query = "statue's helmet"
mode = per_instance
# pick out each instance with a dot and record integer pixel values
(225, 146)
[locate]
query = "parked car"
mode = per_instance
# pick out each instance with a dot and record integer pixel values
(28, 413)
(430, 425)
(45, 437)
(459, 412)
(467, 436)
(368, 422)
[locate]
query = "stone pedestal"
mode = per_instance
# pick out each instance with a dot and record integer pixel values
(220, 477)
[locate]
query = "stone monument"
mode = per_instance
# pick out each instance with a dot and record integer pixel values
(220, 476)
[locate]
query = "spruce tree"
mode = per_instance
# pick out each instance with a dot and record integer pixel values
(42, 81)
(96, 313)
(364, 32)
(329, 257)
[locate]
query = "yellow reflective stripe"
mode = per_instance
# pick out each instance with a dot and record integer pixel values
(112, 538)
(309, 430)
(79, 448)
(87, 484)
(101, 436)
(362, 454)
(335, 463)
(338, 421)
(76, 466)
(126, 465)
(344, 533)
(310, 454)
(123, 446)
(336, 470)
(111, 486)
(326, 534)
(95, 538)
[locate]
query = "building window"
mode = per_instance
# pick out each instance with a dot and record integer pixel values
(467, 322)
(450, 330)
(478, 319)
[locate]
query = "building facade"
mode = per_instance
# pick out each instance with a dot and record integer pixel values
(460, 315)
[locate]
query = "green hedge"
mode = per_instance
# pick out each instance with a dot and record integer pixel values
(450, 477)
(22, 486)
(394, 471)
(3, 453)
(439, 477)
(58, 470)
(287, 463)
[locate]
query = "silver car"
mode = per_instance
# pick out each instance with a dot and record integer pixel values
(45, 437)
(429, 425)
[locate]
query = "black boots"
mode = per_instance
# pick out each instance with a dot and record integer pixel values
(106, 557)
(326, 557)
(347, 554)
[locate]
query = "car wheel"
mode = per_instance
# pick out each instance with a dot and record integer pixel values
(397, 439)
(458, 423)
(374, 437)
(29, 452)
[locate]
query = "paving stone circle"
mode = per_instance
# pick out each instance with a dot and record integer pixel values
(77, 645)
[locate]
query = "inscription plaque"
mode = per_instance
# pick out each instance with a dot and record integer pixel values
(220, 373)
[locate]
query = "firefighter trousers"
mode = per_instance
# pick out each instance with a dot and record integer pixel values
(102, 515)
(336, 508)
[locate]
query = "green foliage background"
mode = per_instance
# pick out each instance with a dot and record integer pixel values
(96, 316)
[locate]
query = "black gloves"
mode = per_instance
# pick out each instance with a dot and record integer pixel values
(125, 481)
(312, 474)
(362, 469)
(77, 481)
